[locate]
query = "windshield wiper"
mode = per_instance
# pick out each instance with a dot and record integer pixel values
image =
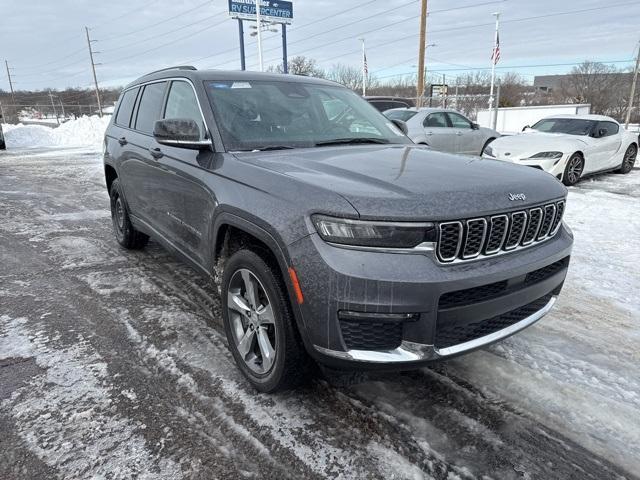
(352, 140)
(274, 147)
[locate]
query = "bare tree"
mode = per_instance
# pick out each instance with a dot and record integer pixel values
(300, 65)
(350, 77)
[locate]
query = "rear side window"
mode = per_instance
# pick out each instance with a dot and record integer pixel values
(436, 120)
(182, 103)
(123, 117)
(150, 108)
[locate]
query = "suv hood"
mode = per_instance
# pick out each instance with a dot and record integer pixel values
(408, 182)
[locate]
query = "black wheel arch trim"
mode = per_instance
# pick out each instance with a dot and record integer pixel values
(263, 232)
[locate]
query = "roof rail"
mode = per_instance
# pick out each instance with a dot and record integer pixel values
(177, 67)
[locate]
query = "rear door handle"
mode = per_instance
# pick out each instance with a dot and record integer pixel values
(122, 141)
(156, 153)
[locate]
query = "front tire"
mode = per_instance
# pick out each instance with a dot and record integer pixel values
(573, 170)
(629, 159)
(126, 234)
(259, 324)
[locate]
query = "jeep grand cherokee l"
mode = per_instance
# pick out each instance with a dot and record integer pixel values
(330, 234)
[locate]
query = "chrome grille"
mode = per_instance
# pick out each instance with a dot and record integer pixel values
(479, 237)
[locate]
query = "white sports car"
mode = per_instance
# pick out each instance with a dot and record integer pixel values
(570, 146)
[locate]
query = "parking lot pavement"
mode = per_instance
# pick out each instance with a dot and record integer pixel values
(113, 364)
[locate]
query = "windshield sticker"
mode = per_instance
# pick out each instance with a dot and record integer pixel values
(241, 85)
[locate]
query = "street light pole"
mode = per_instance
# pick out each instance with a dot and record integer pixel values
(259, 33)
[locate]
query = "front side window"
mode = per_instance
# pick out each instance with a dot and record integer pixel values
(261, 114)
(437, 120)
(150, 107)
(123, 117)
(182, 103)
(610, 128)
(570, 126)
(458, 121)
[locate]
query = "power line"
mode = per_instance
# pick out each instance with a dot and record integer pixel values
(128, 13)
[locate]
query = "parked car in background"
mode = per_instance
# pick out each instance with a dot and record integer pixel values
(385, 103)
(444, 130)
(570, 146)
(329, 233)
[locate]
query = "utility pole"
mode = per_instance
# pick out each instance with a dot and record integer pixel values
(53, 105)
(64, 116)
(421, 50)
(365, 68)
(633, 89)
(259, 32)
(93, 68)
(13, 97)
(494, 60)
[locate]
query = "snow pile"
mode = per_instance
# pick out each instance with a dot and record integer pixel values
(82, 131)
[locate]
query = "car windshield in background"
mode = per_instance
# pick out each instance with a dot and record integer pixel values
(570, 126)
(403, 115)
(257, 115)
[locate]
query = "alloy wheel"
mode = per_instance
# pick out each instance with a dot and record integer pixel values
(575, 169)
(630, 157)
(119, 214)
(252, 321)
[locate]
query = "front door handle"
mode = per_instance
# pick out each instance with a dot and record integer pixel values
(122, 141)
(156, 153)
(429, 133)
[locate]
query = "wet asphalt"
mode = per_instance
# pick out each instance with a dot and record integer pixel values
(114, 364)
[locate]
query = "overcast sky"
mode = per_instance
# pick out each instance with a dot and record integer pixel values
(45, 44)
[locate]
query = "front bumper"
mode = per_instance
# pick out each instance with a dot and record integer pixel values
(553, 166)
(335, 279)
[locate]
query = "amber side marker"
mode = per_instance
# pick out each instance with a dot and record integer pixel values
(296, 285)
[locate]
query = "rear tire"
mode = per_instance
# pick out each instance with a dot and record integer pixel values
(573, 170)
(259, 324)
(126, 234)
(629, 159)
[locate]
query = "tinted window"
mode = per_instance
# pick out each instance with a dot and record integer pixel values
(570, 126)
(610, 127)
(182, 103)
(125, 109)
(436, 120)
(403, 115)
(458, 121)
(150, 107)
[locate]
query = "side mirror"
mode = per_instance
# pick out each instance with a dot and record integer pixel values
(475, 126)
(179, 132)
(401, 125)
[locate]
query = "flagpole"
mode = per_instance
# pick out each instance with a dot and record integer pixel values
(364, 70)
(493, 69)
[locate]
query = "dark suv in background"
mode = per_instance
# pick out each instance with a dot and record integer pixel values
(330, 234)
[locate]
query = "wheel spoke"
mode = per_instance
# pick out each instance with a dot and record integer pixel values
(246, 342)
(250, 287)
(265, 315)
(237, 303)
(266, 349)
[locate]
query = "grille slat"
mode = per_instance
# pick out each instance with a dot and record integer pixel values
(469, 239)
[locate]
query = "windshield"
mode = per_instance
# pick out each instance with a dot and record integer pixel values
(403, 115)
(571, 126)
(255, 115)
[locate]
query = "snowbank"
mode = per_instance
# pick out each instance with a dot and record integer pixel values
(80, 132)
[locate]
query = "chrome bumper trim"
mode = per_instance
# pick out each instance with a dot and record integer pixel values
(413, 352)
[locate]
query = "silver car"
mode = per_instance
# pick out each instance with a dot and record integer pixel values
(443, 129)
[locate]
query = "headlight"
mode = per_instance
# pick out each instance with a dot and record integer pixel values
(488, 151)
(373, 234)
(545, 156)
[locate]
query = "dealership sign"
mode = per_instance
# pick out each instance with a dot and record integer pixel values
(270, 10)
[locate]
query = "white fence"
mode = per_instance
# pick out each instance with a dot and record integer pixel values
(514, 119)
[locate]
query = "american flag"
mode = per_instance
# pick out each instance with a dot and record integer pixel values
(495, 55)
(364, 64)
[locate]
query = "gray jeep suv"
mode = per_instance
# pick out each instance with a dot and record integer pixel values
(331, 235)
